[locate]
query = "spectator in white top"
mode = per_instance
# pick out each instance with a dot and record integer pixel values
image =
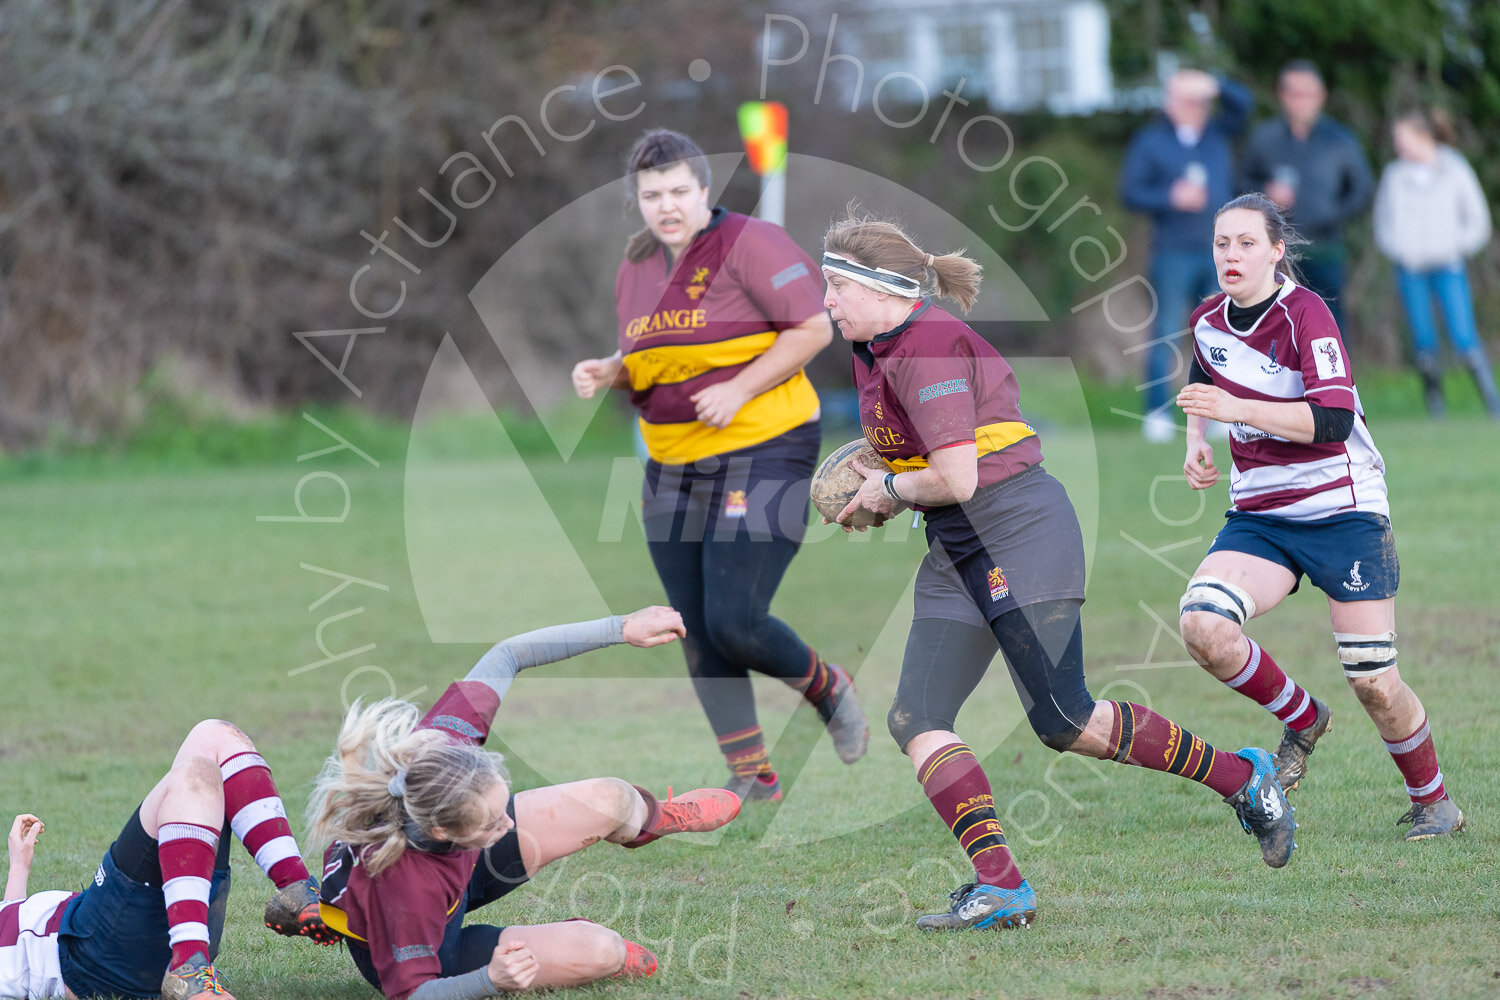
(1430, 216)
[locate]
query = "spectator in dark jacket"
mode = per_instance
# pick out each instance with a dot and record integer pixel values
(1177, 170)
(1314, 169)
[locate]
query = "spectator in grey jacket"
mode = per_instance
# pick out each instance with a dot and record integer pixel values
(1315, 171)
(1430, 215)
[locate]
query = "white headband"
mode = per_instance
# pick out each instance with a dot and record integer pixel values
(879, 278)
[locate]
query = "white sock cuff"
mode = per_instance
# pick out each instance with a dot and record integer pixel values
(1252, 664)
(242, 762)
(1413, 741)
(168, 832)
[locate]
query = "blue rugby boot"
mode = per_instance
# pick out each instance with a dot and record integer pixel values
(981, 906)
(1263, 810)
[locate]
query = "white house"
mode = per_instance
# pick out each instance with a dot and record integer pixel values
(1021, 54)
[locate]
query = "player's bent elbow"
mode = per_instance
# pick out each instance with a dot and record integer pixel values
(961, 484)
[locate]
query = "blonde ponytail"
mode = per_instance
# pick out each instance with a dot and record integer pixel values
(387, 782)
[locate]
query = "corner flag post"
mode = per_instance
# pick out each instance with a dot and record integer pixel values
(763, 127)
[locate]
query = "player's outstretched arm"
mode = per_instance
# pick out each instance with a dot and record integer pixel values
(651, 626)
(24, 831)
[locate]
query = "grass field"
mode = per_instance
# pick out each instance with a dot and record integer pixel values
(140, 597)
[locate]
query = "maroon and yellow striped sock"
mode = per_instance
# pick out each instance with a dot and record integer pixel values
(958, 789)
(1145, 739)
(818, 683)
(745, 752)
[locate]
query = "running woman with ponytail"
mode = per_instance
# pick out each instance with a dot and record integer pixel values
(1004, 567)
(422, 829)
(150, 919)
(1309, 497)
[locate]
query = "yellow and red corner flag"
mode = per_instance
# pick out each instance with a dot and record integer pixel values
(763, 128)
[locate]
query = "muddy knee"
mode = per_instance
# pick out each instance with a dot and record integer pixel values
(1372, 694)
(1211, 615)
(905, 725)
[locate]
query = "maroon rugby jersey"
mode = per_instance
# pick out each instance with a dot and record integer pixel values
(933, 382)
(704, 318)
(1293, 352)
(400, 914)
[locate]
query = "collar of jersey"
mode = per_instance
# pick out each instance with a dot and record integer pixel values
(1282, 291)
(716, 215)
(865, 351)
(911, 317)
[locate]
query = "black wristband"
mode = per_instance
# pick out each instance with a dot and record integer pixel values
(890, 488)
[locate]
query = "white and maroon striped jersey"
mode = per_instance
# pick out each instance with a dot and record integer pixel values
(29, 964)
(1293, 352)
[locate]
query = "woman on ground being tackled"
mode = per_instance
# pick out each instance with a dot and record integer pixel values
(718, 312)
(1004, 566)
(1309, 497)
(423, 829)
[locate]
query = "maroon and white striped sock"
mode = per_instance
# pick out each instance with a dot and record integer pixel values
(186, 852)
(258, 817)
(1416, 756)
(1262, 681)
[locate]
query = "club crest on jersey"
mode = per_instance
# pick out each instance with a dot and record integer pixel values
(1275, 367)
(698, 284)
(1218, 356)
(998, 587)
(735, 504)
(1328, 358)
(1355, 583)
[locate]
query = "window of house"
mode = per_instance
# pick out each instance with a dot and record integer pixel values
(964, 52)
(1042, 54)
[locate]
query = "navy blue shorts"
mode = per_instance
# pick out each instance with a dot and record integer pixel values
(1349, 557)
(464, 949)
(761, 490)
(113, 938)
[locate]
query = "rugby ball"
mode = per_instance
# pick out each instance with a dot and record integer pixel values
(836, 482)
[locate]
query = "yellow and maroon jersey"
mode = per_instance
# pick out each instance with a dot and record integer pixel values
(700, 320)
(931, 383)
